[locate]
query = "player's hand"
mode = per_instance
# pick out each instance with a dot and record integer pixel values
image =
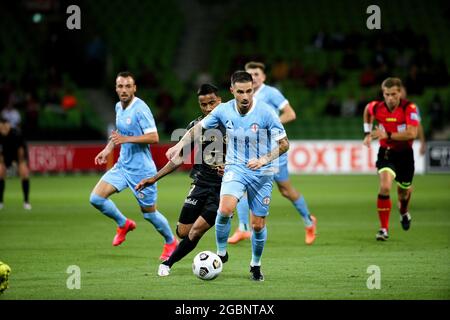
(220, 170)
(423, 148)
(173, 152)
(378, 133)
(145, 183)
(255, 164)
(367, 140)
(101, 158)
(117, 138)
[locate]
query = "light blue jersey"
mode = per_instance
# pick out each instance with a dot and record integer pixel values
(135, 160)
(249, 136)
(274, 98)
(135, 163)
(135, 120)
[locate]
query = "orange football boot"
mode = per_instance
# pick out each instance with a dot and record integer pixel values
(310, 234)
(168, 249)
(239, 236)
(130, 225)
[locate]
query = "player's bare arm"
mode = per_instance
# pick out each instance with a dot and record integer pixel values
(189, 137)
(283, 146)
(220, 170)
(409, 134)
(101, 158)
(421, 136)
(368, 121)
(148, 138)
(287, 114)
(170, 167)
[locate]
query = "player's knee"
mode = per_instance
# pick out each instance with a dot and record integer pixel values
(24, 174)
(226, 209)
(385, 189)
(181, 232)
(96, 200)
(196, 234)
(403, 194)
(257, 226)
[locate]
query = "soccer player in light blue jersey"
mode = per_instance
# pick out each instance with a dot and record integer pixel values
(273, 97)
(255, 138)
(136, 129)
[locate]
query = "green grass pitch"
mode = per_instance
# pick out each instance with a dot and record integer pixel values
(64, 230)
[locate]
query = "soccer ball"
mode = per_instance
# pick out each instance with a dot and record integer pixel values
(207, 265)
(5, 270)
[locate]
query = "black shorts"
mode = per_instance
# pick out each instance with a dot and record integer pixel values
(12, 156)
(400, 162)
(201, 201)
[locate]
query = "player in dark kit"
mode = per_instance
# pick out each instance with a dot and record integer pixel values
(13, 149)
(199, 212)
(398, 121)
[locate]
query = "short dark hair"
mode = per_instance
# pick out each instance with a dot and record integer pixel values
(241, 76)
(255, 65)
(3, 120)
(392, 82)
(207, 88)
(126, 74)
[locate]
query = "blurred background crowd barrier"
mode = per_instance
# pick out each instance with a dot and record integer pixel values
(57, 85)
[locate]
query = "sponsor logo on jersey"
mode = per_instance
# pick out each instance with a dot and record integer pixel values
(191, 201)
(391, 119)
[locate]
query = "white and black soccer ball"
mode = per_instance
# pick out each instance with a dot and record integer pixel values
(207, 265)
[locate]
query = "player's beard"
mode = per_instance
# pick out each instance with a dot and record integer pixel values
(126, 99)
(245, 106)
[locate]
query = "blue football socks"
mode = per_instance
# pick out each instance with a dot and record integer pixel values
(258, 241)
(161, 225)
(108, 208)
(302, 208)
(223, 226)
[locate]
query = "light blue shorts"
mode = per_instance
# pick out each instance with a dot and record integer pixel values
(236, 181)
(283, 173)
(121, 180)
